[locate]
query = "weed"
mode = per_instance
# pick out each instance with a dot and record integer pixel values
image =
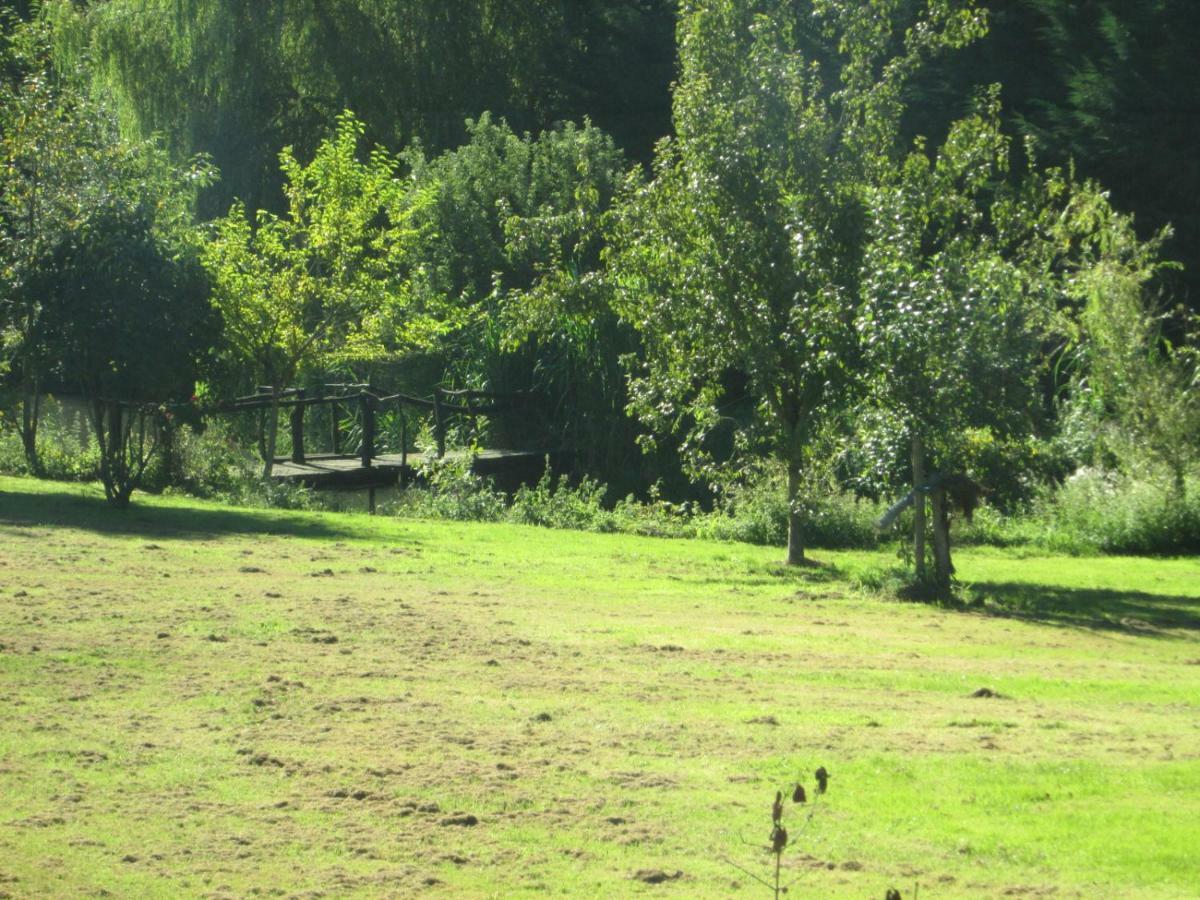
(779, 838)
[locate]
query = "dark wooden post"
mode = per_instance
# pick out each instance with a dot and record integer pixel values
(439, 423)
(297, 420)
(918, 480)
(367, 405)
(943, 567)
(403, 440)
(335, 428)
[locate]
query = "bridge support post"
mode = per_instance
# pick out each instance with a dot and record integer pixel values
(335, 429)
(439, 423)
(367, 405)
(403, 442)
(297, 421)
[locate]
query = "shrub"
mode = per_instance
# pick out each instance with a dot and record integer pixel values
(756, 512)
(656, 517)
(1100, 511)
(555, 503)
(451, 491)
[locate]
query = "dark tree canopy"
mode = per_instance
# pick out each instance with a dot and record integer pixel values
(240, 79)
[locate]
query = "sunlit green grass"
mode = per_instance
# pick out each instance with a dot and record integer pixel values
(194, 707)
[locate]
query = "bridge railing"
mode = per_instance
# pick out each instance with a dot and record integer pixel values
(443, 404)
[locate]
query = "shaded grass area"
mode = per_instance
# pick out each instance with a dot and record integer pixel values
(1134, 612)
(207, 701)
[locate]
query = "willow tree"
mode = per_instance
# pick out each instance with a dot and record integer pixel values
(239, 79)
(740, 261)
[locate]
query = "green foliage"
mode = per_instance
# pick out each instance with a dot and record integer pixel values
(67, 450)
(552, 503)
(451, 492)
(755, 511)
(240, 81)
(1133, 376)
(513, 236)
(1107, 512)
(327, 282)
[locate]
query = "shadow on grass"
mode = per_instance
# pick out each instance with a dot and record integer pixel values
(1101, 609)
(67, 509)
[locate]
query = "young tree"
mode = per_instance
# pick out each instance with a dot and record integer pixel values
(740, 262)
(326, 282)
(959, 286)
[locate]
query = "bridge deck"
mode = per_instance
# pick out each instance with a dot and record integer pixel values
(330, 470)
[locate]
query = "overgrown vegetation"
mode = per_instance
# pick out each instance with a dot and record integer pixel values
(843, 278)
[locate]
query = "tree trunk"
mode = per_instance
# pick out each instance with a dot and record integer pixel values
(1179, 472)
(262, 435)
(110, 425)
(944, 568)
(795, 549)
(272, 433)
(30, 414)
(169, 448)
(918, 479)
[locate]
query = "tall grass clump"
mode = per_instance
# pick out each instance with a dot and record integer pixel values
(1097, 511)
(755, 511)
(555, 503)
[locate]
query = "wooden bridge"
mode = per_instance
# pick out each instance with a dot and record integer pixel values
(369, 468)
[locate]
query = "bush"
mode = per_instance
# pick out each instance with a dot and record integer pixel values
(1105, 512)
(554, 503)
(451, 491)
(213, 463)
(756, 512)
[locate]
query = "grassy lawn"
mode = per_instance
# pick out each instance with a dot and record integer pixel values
(200, 700)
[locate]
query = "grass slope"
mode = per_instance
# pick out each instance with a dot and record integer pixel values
(200, 700)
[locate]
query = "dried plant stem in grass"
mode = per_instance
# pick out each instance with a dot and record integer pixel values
(779, 834)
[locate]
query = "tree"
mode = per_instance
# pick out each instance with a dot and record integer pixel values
(127, 320)
(64, 165)
(514, 235)
(47, 135)
(740, 262)
(326, 282)
(960, 284)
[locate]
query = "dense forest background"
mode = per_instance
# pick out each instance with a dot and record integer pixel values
(519, 125)
(1107, 85)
